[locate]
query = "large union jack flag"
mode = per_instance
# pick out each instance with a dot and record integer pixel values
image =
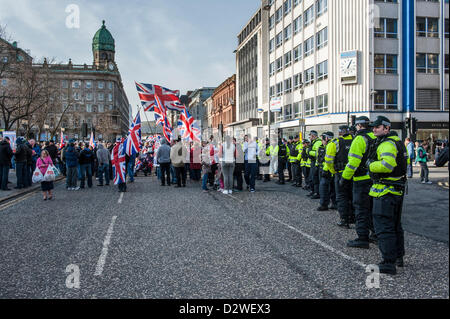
(118, 162)
(188, 127)
(133, 141)
(159, 111)
(169, 98)
(167, 129)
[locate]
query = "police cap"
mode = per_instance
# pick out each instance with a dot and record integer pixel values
(362, 120)
(313, 133)
(381, 120)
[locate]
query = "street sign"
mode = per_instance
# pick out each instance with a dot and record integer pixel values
(275, 104)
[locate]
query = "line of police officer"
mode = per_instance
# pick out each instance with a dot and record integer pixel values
(362, 173)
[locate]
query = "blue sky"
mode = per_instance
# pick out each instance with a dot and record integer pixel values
(180, 44)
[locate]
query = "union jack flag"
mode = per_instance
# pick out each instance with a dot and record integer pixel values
(160, 111)
(169, 98)
(91, 140)
(63, 143)
(188, 127)
(118, 162)
(133, 141)
(167, 130)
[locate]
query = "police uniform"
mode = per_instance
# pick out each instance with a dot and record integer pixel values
(264, 160)
(314, 171)
(295, 151)
(336, 158)
(326, 186)
(289, 165)
(356, 169)
(305, 163)
(388, 166)
(282, 151)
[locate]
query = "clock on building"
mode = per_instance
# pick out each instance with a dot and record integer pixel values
(111, 66)
(349, 67)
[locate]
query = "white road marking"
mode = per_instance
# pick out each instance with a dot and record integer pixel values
(102, 258)
(241, 201)
(319, 242)
(120, 198)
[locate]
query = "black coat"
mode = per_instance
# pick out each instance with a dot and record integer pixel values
(6, 153)
(21, 153)
(52, 151)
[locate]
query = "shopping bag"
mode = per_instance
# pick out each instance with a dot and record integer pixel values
(37, 176)
(55, 170)
(49, 174)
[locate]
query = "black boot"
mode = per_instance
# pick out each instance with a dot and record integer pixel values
(399, 262)
(387, 268)
(359, 243)
(344, 224)
(322, 208)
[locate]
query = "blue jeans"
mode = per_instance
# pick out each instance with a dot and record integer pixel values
(79, 171)
(86, 169)
(205, 181)
(130, 169)
(173, 174)
(251, 170)
(21, 173)
(4, 172)
(158, 172)
(103, 169)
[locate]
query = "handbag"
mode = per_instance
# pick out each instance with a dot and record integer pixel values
(49, 174)
(37, 176)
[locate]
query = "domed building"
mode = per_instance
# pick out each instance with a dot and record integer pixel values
(92, 97)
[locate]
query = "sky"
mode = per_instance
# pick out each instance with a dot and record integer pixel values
(179, 44)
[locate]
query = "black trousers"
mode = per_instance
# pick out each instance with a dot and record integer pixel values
(237, 173)
(306, 170)
(387, 215)
(344, 198)
(165, 171)
(212, 175)
(181, 176)
(122, 187)
(289, 167)
(314, 177)
(326, 189)
(281, 166)
(296, 173)
(362, 203)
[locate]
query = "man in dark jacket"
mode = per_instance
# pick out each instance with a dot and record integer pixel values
(20, 157)
(6, 155)
(29, 169)
(52, 151)
(86, 160)
(71, 159)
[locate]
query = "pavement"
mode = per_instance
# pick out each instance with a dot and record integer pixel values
(163, 242)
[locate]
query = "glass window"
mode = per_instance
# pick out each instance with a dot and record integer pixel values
(322, 103)
(88, 84)
(297, 110)
(279, 39)
(309, 46)
(296, 2)
(279, 14)
(271, 21)
(101, 96)
(309, 76)
(297, 53)
(5, 59)
(65, 84)
(298, 24)
(110, 85)
(322, 38)
(287, 33)
(427, 27)
(101, 108)
(76, 96)
(385, 64)
(287, 6)
(288, 112)
(322, 70)
(386, 29)
(297, 80)
(309, 15)
(427, 63)
(321, 7)
(279, 88)
(101, 85)
(288, 85)
(386, 100)
(4, 82)
(272, 68)
(271, 45)
(279, 63)
(309, 106)
(89, 108)
(110, 97)
(76, 84)
(287, 58)
(89, 96)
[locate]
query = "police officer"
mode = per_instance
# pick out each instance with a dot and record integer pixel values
(314, 171)
(356, 169)
(264, 160)
(336, 158)
(305, 163)
(282, 152)
(289, 165)
(294, 158)
(387, 167)
(326, 187)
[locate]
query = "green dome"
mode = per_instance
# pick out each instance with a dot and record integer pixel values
(103, 40)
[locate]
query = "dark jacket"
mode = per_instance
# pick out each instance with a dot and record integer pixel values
(71, 157)
(6, 153)
(21, 153)
(29, 155)
(52, 151)
(86, 156)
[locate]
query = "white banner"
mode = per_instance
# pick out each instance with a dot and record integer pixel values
(12, 138)
(275, 104)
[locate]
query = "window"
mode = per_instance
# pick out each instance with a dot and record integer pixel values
(272, 91)
(272, 68)
(111, 107)
(386, 29)
(321, 7)
(296, 2)
(88, 96)
(76, 84)
(279, 63)
(309, 46)
(110, 85)
(287, 6)
(110, 97)
(288, 85)
(297, 53)
(89, 108)
(308, 16)
(279, 39)
(76, 96)
(287, 32)
(5, 59)
(279, 14)
(271, 21)
(100, 96)
(101, 108)
(88, 84)
(322, 104)
(288, 112)
(322, 38)
(427, 63)
(446, 32)
(271, 45)
(101, 85)
(298, 24)
(287, 58)
(279, 88)
(297, 109)
(309, 106)
(309, 76)
(65, 84)
(386, 100)
(385, 64)
(297, 81)
(4, 82)
(322, 70)
(427, 27)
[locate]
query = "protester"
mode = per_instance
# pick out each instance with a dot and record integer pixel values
(20, 157)
(411, 154)
(71, 157)
(42, 164)
(422, 159)
(227, 156)
(6, 155)
(206, 165)
(103, 158)
(163, 158)
(177, 157)
(250, 152)
(85, 161)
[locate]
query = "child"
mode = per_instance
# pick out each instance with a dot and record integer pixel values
(422, 158)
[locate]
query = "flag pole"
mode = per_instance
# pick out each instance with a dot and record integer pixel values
(148, 122)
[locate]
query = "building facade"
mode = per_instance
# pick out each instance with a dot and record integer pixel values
(329, 60)
(224, 106)
(197, 106)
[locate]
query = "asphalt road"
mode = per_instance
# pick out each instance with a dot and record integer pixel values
(164, 242)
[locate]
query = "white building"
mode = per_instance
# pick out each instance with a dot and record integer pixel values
(331, 60)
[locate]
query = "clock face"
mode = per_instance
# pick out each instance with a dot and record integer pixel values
(111, 66)
(348, 67)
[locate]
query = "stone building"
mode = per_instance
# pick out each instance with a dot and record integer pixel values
(224, 104)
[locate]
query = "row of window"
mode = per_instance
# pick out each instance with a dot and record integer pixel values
(89, 108)
(87, 84)
(292, 111)
(321, 7)
(321, 40)
(89, 96)
(300, 79)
